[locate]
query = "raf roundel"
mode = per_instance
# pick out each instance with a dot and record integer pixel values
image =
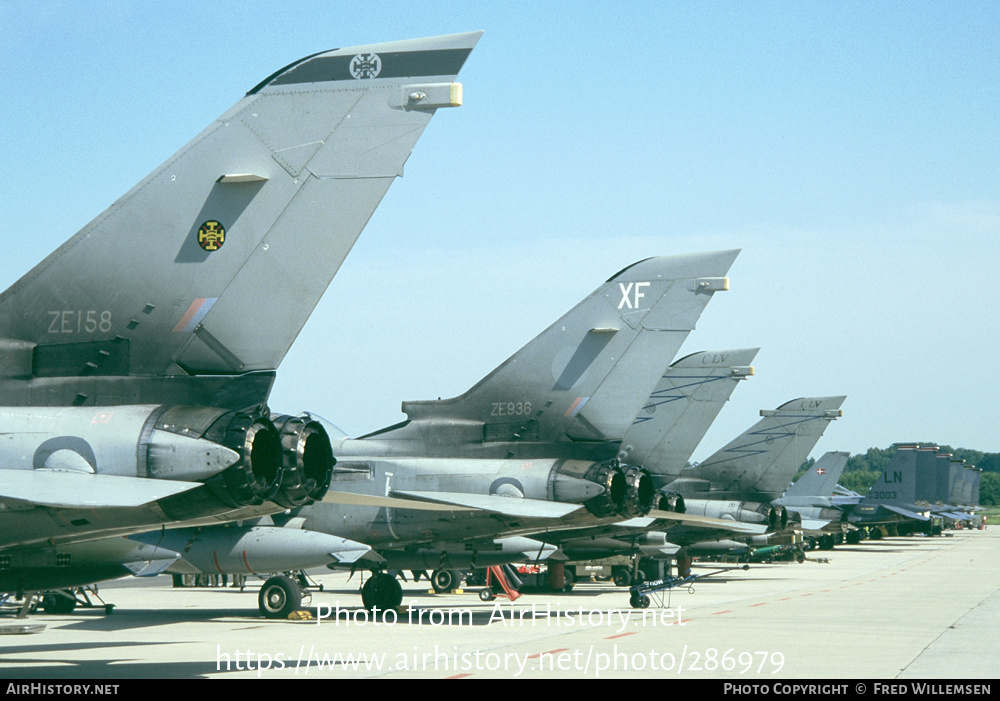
(211, 235)
(366, 66)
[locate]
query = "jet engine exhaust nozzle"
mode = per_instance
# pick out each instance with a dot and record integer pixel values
(615, 484)
(640, 492)
(306, 461)
(671, 501)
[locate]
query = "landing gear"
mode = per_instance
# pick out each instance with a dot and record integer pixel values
(621, 576)
(58, 602)
(569, 579)
(445, 581)
(382, 591)
(279, 596)
(65, 601)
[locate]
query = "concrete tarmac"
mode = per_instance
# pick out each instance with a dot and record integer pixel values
(898, 608)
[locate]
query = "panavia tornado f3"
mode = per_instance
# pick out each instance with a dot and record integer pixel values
(134, 375)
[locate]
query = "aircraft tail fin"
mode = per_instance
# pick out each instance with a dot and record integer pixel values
(765, 457)
(820, 479)
(249, 221)
(588, 374)
(681, 408)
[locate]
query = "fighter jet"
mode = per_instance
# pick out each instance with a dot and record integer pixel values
(811, 498)
(918, 488)
(947, 483)
(950, 487)
(133, 390)
(726, 497)
(534, 445)
(892, 499)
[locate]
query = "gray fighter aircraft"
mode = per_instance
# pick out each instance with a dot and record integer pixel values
(811, 498)
(133, 392)
(665, 433)
(530, 445)
(947, 483)
(724, 498)
(917, 487)
(892, 499)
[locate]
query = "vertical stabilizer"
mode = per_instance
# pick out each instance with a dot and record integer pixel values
(821, 479)
(244, 227)
(764, 458)
(680, 410)
(897, 484)
(586, 376)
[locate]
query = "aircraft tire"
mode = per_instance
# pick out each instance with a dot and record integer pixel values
(382, 591)
(445, 581)
(568, 581)
(53, 602)
(621, 577)
(279, 597)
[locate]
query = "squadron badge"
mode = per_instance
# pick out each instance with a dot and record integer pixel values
(366, 66)
(211, 235)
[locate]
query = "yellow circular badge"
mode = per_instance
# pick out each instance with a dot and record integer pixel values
(211, 235)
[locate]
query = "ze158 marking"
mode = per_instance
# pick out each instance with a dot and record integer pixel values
(70, 321)
(510, 408)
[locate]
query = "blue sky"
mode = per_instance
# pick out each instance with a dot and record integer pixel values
(850, 149)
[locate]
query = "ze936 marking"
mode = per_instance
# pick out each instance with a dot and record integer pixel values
(73, 321)
(510, 408)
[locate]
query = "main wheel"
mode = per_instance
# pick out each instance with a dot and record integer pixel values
(279, 597)
(381, 590)
(54, 602)
(621, 577)
(445, 581)
(568, 581)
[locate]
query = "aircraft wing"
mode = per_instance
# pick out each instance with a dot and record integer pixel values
(352, 499)
(813, 524)
(904, 512)
(707, 522)
(70, 490)
(956, 516)
(507, 506)
(456, 501)
(680, 529)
